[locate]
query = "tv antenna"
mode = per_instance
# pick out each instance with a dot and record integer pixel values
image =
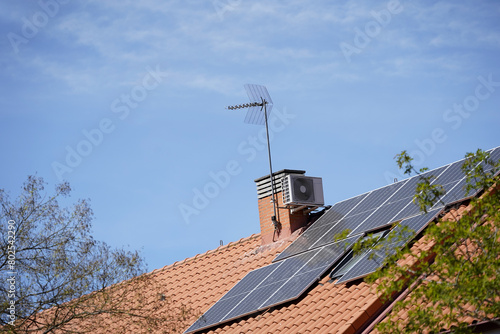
(259, 108)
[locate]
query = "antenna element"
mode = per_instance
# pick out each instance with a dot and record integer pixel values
(260, 101)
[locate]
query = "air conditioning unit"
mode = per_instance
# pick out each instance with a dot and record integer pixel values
(302, 190)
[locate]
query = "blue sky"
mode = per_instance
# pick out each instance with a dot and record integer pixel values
(125, 100)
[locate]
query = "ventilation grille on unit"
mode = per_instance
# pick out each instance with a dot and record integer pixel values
(302, 190)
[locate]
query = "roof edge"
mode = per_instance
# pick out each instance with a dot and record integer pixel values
(210, 251)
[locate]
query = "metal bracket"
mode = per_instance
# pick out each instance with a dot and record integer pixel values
(302, 207)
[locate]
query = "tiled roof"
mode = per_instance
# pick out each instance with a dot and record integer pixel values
(325, 308)
(202, 280)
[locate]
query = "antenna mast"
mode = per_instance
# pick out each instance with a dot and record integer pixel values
(259, 101)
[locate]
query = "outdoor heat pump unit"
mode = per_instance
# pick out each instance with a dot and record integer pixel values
(302, 190)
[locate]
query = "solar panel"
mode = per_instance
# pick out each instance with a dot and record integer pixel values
(351, 259)
(495, 154)
(400, 203)
(412, 226)
(317, 237)
(493, 159)
(332, 217)
(255, 114)
(412, 208)
(309, 237)
(384, 215)
(349, 223)
(452, 174)
(376, 198)
(402, 234)
(454, 180)
(340, 210)
(273, 284)
(366, 265)
(250, 281)
(409, 189)
(456, 192)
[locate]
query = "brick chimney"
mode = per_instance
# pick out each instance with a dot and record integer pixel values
(288, 222)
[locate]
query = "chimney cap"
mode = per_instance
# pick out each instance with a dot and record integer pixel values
(283, 171)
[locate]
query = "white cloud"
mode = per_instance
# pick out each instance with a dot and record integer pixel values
(114, 40)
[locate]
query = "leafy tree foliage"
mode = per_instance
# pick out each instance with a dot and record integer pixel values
(453, 278)
(61, 276)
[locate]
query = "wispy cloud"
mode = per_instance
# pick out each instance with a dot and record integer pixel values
(106, 39)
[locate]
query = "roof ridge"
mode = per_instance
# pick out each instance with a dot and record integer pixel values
(208, 252)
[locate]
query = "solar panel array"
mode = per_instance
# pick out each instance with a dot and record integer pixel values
(302, 263)
(381, 207)
(359, 214)
(274, 284)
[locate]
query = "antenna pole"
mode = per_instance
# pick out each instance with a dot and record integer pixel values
(259, 97)
(273, 218)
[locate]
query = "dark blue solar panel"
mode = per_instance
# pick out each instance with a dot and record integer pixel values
(304, 242)
(454, 182)
(396, 207)
(350, 223)
(290, 267)
(330, 252)
(253, 301)
(413, 208)
(340, 210)
(457, 192)
(495, 154)
(376, 198)
(290, 288)
(452, 174)
(383, 216)
(320, 234)
(402, 234)
(410, 186)
(493, 160)
(274, 284)
(250, 281)
(449, 186)
(321, 226)
(214, 315)
(410, 210)
(366, 265)
(311, 271)
(415, 224)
